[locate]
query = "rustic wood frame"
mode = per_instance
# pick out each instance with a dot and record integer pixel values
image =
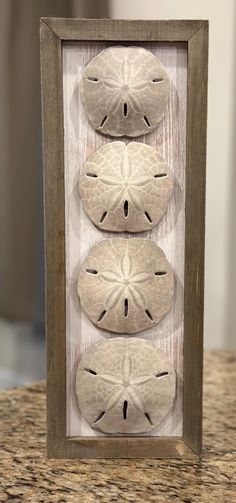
(195, 34)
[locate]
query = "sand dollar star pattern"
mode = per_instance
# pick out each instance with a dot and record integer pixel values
(125, 386)
(126, 285)
(125, 91)
(126, 187)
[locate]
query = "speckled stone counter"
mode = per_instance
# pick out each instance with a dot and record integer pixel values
(26, 476)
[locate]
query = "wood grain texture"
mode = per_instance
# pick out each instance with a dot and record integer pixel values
(195, 236)
(119, 29)
(53, 33)
(52, 112)
(81, 140)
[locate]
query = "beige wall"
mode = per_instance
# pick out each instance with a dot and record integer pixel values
(220, 298)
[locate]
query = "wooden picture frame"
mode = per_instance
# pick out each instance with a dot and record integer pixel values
(195, 34)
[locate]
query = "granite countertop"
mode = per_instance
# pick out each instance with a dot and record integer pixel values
(26, 476)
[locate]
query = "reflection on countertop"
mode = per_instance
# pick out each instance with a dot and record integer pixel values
(28, 477)
(22, 358)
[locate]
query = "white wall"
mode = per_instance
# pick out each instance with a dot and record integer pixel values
(220, 301)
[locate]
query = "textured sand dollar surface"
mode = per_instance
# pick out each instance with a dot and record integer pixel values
(126, 187)
(126, 285)
(125, 385)
(125, 91)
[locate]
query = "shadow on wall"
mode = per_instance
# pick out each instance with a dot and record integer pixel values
(21, 206)
(230, 322)
(21, 196)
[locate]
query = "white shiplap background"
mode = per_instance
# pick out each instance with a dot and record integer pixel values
(80, 142)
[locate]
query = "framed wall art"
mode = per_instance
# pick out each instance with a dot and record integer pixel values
(124, 138)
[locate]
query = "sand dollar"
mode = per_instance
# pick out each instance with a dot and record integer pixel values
(125, 91)
(125, 386)
(126, 285)
(126, 187)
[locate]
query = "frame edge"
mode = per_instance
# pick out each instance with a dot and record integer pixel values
(52, 35)
(131, 29)
(54, 233)
(195, 237)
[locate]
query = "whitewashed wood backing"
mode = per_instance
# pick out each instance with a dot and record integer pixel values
(81, 141)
